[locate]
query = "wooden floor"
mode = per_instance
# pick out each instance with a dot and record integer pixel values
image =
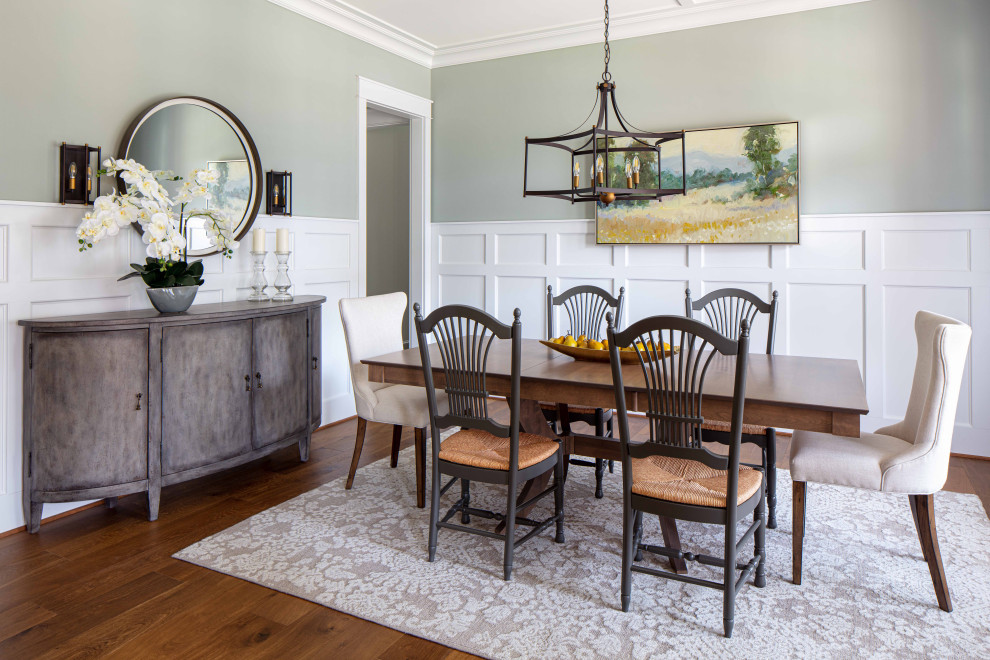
(102, 583)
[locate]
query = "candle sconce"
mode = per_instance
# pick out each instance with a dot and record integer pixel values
(278, 186)
(77, 173)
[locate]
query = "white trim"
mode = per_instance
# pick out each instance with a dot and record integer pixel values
(361, 25)
(687, 15)
(419, 110)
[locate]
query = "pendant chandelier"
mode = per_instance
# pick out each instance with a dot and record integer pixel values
(613, 152)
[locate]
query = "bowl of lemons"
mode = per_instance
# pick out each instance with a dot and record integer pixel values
(582, 348)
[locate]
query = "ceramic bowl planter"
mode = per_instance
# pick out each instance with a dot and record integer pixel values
(173, 299)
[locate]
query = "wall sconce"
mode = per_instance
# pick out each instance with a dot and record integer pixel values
(76, 173)
(279, 193)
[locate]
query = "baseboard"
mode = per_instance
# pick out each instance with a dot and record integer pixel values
(57, 516)
(331, 424)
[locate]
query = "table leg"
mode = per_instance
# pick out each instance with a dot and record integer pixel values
(531, 420)
(668, 527)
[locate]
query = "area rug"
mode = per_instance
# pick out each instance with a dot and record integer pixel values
(866, 591)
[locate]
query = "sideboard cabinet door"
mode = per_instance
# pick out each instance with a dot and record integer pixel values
(89, 409)
(316, 345)
(281, 362)
(206, 394)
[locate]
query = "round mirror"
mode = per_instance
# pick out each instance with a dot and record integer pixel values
(189, 133)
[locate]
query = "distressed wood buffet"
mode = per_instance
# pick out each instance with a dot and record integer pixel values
(128, 402)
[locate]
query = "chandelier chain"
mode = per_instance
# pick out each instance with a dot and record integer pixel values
(606, 76)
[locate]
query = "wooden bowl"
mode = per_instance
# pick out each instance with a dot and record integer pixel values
(593, 354)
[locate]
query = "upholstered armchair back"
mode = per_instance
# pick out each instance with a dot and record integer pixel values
(372, 326)
(931, 413)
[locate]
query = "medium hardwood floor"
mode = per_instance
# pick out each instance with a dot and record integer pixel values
(102, 583)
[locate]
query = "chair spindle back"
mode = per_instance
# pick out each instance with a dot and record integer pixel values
(586, 307)
(726, 309)
(674, 355)
(463, 336)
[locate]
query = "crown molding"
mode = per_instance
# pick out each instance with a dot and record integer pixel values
(361, 25)
(687, 15)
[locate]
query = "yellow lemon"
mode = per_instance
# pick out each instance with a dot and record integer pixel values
(605, 344)
(581, 338)
(570, 341)
(557, 340)
(597, 345)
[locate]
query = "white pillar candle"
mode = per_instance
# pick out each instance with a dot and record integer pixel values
(282, 240)
(259, 240)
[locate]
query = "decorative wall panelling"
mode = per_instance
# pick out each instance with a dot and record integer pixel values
(849, 290)
(42, 273)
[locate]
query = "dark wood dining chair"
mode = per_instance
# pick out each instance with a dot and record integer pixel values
(671, 474)
(725, 310)
(585, 307)
(483, 449)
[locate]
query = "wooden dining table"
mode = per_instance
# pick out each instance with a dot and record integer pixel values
(782, 391)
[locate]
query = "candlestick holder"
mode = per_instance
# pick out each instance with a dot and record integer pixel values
(258, 280)
(282, 282)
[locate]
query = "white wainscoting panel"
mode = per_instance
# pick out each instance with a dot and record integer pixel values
(850, 289)
(42, 274)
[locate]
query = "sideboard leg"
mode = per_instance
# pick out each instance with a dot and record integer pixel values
(154, 497)
(304, 447)
(110, 502)
(32, 516)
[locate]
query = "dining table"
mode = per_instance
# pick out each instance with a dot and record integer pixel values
(782, 391)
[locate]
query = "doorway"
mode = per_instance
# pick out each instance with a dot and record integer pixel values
(387, 172)
(418, 112)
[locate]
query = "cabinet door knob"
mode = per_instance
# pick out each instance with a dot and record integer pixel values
(247, 382)
(316, 361)
(138, 407)
(258, 376)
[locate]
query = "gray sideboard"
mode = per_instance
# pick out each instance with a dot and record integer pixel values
(128, 402)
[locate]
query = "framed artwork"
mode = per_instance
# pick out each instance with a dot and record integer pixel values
(232, 191)
(742, 187)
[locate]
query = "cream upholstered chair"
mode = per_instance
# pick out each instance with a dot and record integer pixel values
(373, 326)
(910, 457)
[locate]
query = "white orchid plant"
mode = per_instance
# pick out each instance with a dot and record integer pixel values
(147, 202)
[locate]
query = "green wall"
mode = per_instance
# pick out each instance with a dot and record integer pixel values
(892, 97)
(388, 212)
(80, 71)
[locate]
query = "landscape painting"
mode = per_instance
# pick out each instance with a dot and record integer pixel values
(742, 187)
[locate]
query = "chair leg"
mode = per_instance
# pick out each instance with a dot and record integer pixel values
(799, 505)
(770, 470)
(420, 440)
(558, 495)
(599, 463)
(760, 543)
(396, 441)
(466, 499)
(611, 434)
(362, 425)
(638, 536)
(434, 509)
(729, 581)
(510, 533)
(925, 506)
(628, 533)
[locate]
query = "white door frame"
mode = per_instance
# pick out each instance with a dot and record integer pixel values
(419, 111)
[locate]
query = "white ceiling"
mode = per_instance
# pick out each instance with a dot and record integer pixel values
(447, 32)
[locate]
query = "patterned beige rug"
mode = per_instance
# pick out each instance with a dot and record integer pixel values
(866, 591)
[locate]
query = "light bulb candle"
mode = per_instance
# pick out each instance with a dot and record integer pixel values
(635, 170)
(275, 193)
(629, 175)
(577, 174)
(281, 240)
(72, 176)
(89, 178)
(600, 169)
